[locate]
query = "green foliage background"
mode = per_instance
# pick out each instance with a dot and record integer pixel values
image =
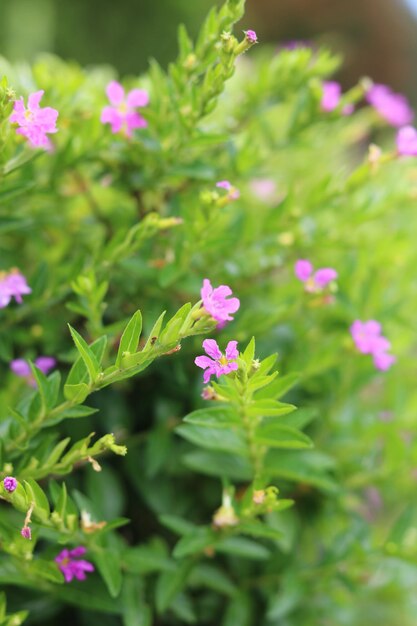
(103, 227)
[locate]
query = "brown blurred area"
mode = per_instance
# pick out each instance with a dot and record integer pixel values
(377, 38)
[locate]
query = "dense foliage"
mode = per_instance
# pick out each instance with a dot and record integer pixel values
(131, 493)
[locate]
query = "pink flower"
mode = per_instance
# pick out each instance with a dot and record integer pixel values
(217, 302)
(10, 483)
(121, 115)
(35, 122)
(20, 367)
(369, 340)
(393, 107)
(251, 36)
(317, 281)
(407, 141)
(263, 188)
(332, 93)
(26, 532)
(12, 285)
(216, 364)
(71, 566)
(233, 193)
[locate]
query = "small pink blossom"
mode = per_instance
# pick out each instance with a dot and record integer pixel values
(263, 188)
(122, 115)
(216, 364)
(10, 484)
(332, 93)
(251, 36)
(12, 285)
(369, 340)
(217, 302)
(35, 122)
(393, 107)
(314, 281)
(26, 532)
(21, 367)
(407, 141)
(72, 566)
(233, 193)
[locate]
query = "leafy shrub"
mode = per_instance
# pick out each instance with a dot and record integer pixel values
(233, 508)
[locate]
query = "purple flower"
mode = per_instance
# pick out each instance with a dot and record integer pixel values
(233, 193)
(21, 367)
(393, 107)
(10, 483)
(251, 36)
(263, 188)
(26, 532)
(369, 340)
(216, 364)
(217, 302)
(332, 92)
(407, 141)
(12, 285)
(122, 115)
(72, 566)
(35, 122)
(314, 281)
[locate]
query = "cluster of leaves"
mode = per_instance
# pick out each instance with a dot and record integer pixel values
(222, 512)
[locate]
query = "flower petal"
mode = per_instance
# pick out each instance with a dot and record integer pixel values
(34, 99)
(203, 361)
(303, 269)
(137, 98)
(231, 350)
(212, 349)
(115, 93)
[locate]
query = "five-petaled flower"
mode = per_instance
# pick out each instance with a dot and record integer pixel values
(216, 363)
(122, 115)
(35, 122)
(393, 107)
(72, 566)
(217, 302)
(407, 141)
(21, 367)
(12, 285)
(314, 281)
(10, 484)
(369, 340)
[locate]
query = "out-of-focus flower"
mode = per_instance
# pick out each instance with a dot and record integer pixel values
(26, 532)
(393, 107)
(122, 115)
(35, 122)
(263, 188)
(217, 302)
(216, 363)
(332, 93)
(314, 281)
(369, 340)
(232, 192)
(21, 367)
(12, 285)
(407, 141)
(72, 566)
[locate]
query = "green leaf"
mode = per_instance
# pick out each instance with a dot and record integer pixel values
(221, 464)
(87, 354)
(36, 495)
(279, 387)
(241, 546)
(232, 441)
(135, 610)
(309, 467)
(275, 435)
(76, 393)
(130, 338)
(265, 408)
(218, 416)
(154, 334)
(199, 539)
(169, 584)
(48, 570)
(108, 564)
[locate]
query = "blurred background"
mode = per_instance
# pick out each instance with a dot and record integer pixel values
(377, 38)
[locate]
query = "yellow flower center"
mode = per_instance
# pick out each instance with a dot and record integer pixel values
(223, 360)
